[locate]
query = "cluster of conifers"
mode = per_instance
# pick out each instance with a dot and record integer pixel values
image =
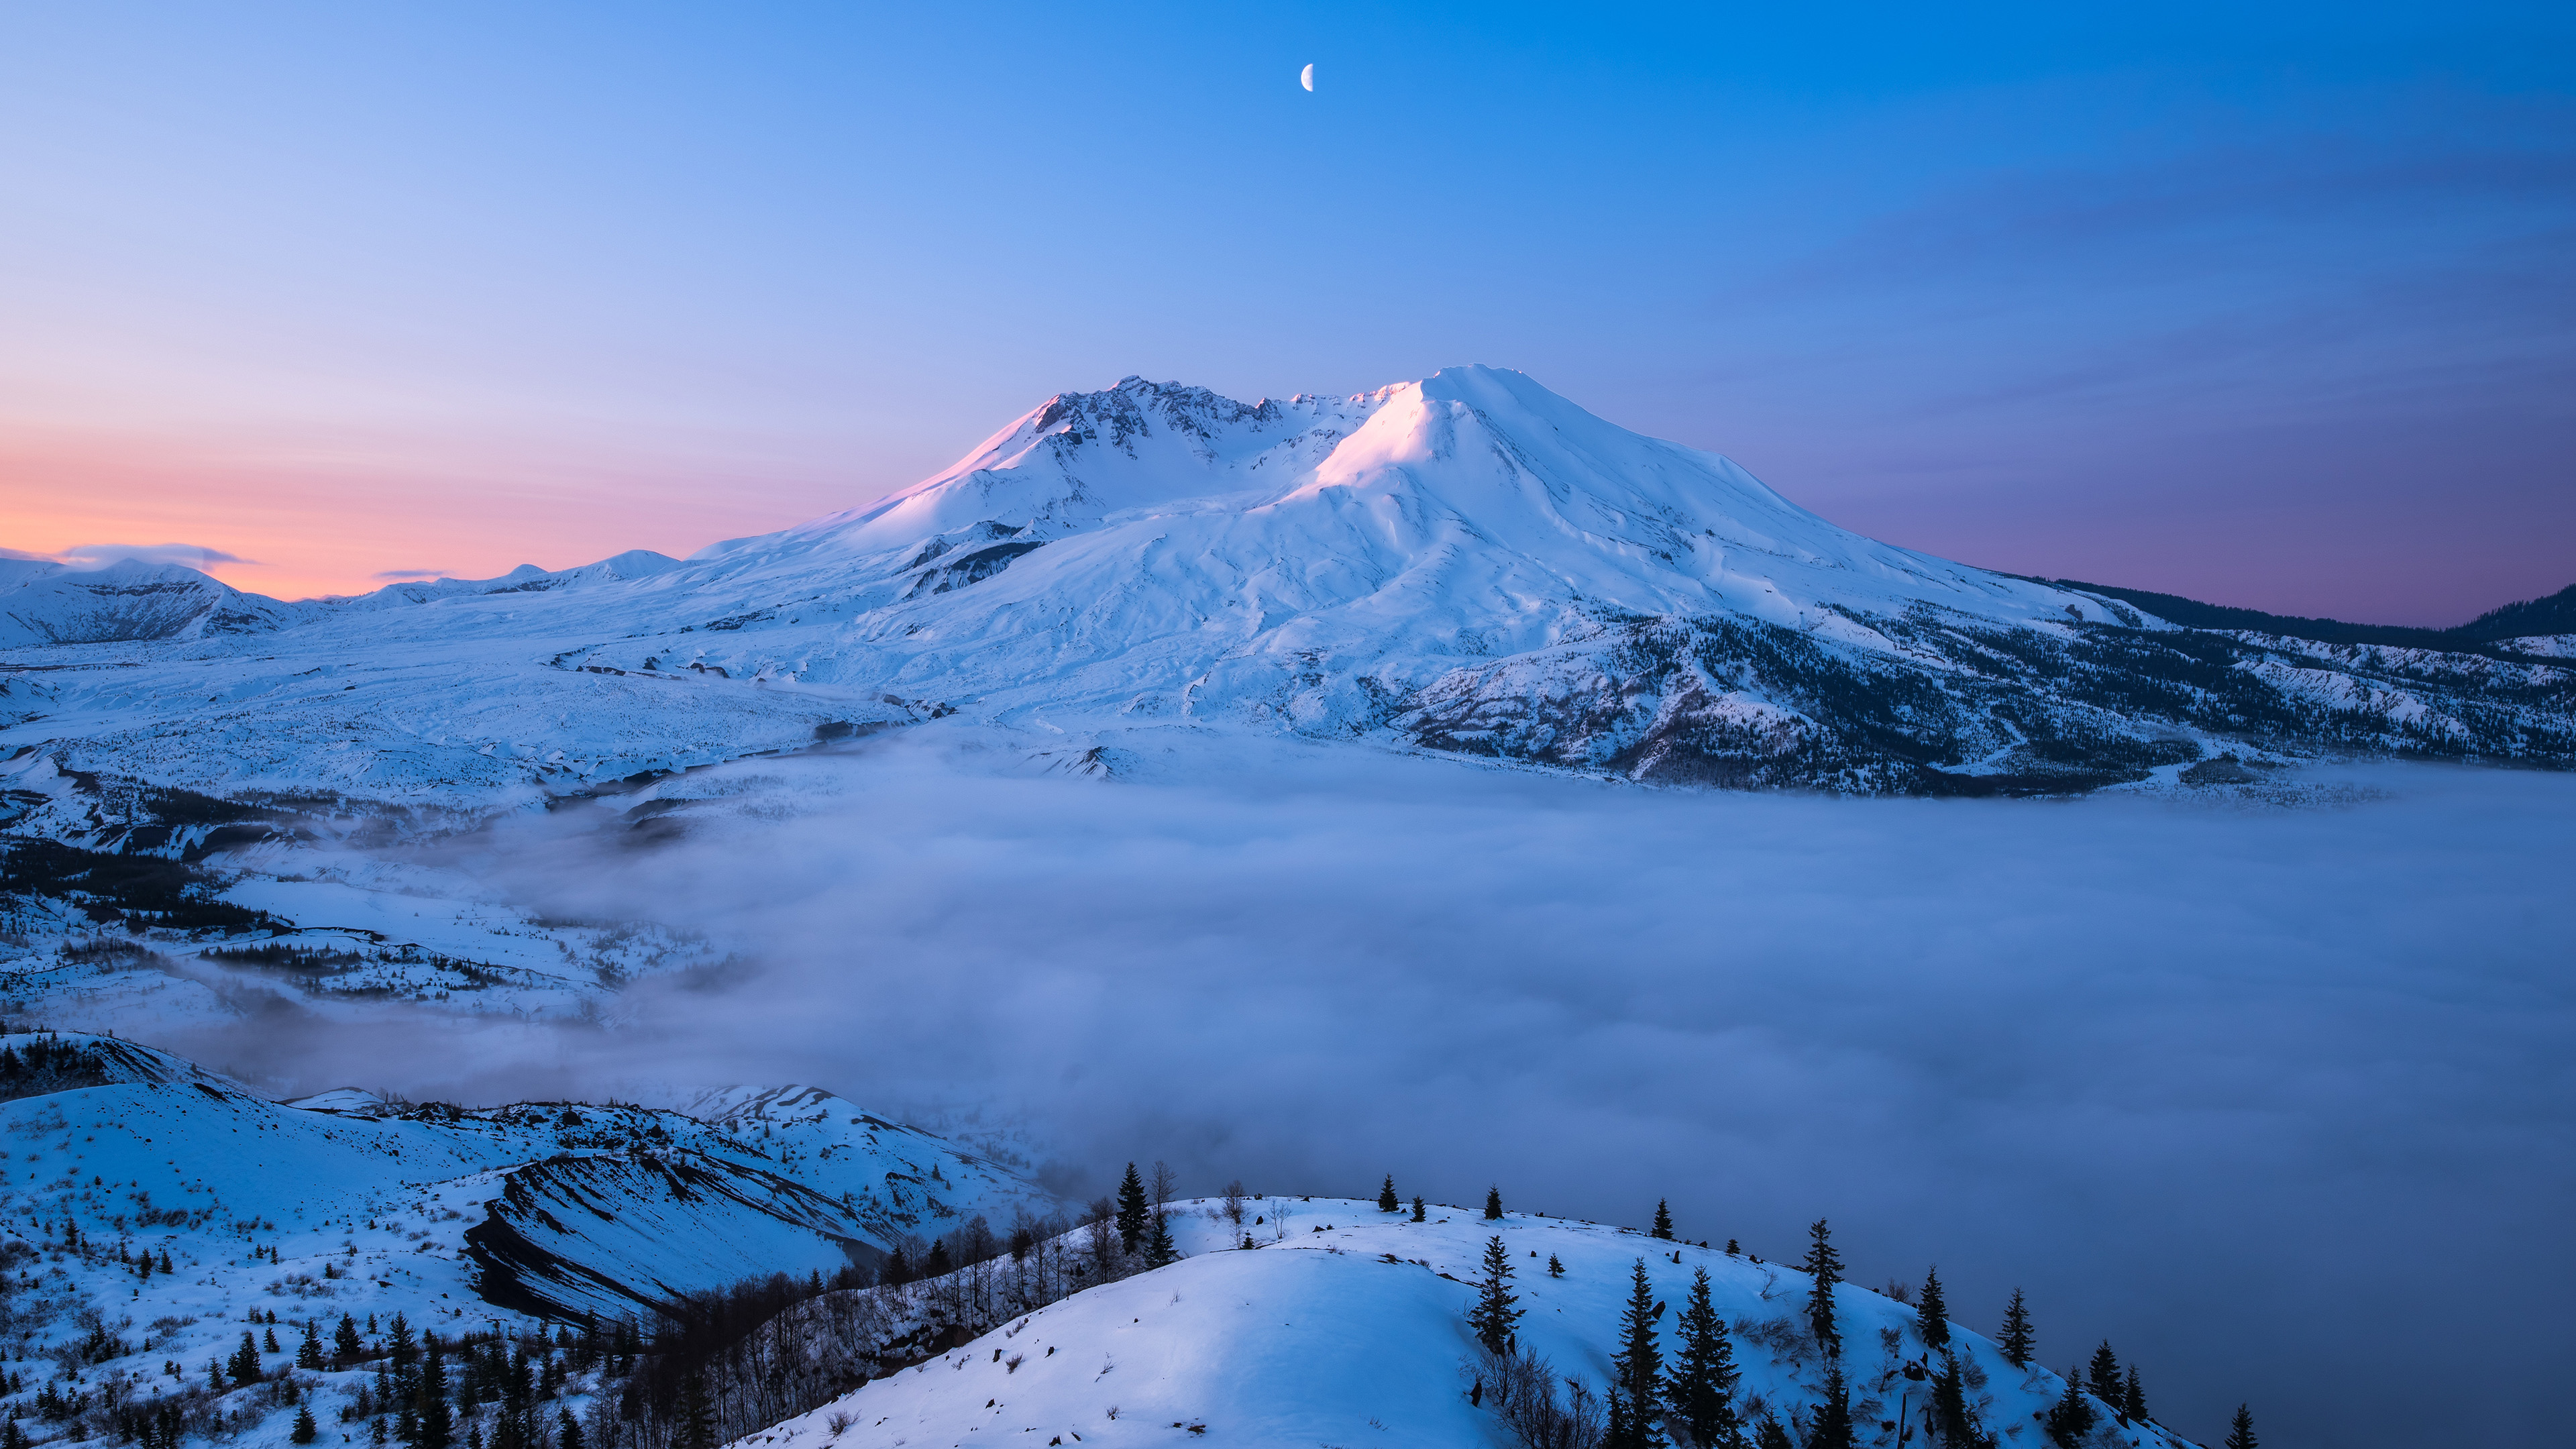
(1692, 1398)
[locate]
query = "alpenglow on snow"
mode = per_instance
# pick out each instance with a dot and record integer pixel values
(1468, 563)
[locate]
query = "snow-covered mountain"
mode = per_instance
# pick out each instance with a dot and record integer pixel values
(1465, 563)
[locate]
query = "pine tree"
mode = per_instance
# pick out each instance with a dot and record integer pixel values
(1825, 1266)
(939, 1264)
(898, 1269)
(1772, 1436)
(1950, 1412)
(214, 1376)
(245, 1364)
(1932, 1312)
(1495, 1315)
(1131, 1210)
(1387, 1202)
(1159, 1250)
(1637, 1370)
(2105, 1374)
(1622, 1432)
(1701, 1389)
(1663, 1221)
(1833, 1429)
(268, 1341)
(2240, 1435)
(1493, 1204)
(305, 1430)
(308, 1354)
(2072, 1416)
(165, 1260)
(697, 1421)
(1555, 1269)
(2133, 1397)
(2019, 1344)
(568, 1431)
(436, 1427)
(1417, 1209)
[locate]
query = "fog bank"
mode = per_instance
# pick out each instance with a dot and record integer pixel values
(2277, 1100)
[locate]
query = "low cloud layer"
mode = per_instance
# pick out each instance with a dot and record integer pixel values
(2279, 1101)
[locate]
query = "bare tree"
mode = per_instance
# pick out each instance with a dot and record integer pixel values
(1166, 1182)
(1233, 1202)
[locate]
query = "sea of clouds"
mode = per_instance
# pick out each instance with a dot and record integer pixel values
(2279, 1100)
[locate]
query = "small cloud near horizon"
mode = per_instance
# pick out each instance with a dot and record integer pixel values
(100, 555)
(396, 575)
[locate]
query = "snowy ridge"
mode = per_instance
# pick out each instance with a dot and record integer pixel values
(348, 1203)
(1343, 1324)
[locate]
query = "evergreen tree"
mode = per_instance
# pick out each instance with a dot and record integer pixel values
(1493, 1204)
(1663, 1221)
(2133, 1396)
(1495, 1316)
(245, 1362)
(2072, 1416)
(165, 1260)
(697, 1426)
(308, 1354)
(567, 1431)
(1833, 1428)
(2019, 1344)
(436, 1427)
(13, 1437)
(1555, 1269)
(2240, 1435)
(1772, 1436)
(1622, 1432)
(1387, 1201)
(1131, 1210)
(268, 1341)
(1932, 1312)
(1951, 1416)
(1701, 1389)
(1417, 1208)
(898, 1269)
(1825, 1266)
(305, 1430)
(1637, 1370)
(2105, 1374)
(1159, 1250)
(938, 1264)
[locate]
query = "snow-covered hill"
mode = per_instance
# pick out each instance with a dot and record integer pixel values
(345, 1203)
(1344, 1325)
(1465, 563)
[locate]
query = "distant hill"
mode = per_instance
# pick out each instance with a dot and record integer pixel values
(2555, 614)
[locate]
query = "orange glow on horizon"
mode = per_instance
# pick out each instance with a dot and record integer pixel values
(312, 522)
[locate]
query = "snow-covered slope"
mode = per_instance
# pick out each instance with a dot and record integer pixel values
(1349, 1328)
(347, 1203)
(1466, 563)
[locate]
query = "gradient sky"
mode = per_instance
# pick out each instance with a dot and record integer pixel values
(2272, 307)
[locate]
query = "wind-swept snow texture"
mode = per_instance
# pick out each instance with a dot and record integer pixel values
(1466, 563)
(1348, 1328)
(348, 1203)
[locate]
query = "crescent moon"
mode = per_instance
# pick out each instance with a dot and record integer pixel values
(1306, 77)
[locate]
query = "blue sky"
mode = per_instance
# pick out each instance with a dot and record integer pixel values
(2271, 308)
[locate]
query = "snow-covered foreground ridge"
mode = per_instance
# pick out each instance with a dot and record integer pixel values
(1465, 563)
(182, 1257)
